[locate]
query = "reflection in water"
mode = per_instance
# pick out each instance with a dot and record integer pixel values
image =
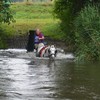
(42, 79)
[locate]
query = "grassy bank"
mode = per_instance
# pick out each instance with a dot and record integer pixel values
(30, 16)
(34, 15)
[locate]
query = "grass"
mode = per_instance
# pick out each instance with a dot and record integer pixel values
(32, 11)
(31, 16)
(27, 24)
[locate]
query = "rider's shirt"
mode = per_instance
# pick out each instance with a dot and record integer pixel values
(37, 41)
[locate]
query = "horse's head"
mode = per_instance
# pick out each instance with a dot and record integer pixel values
(52, 51)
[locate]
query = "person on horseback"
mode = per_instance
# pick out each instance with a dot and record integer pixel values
(39, 38)
(42, 49)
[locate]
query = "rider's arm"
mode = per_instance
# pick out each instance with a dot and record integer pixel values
(41, 37)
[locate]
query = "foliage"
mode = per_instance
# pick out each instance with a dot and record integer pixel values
(62, 10)
(85, 35)
(52, 30)
(6, 17)
(6, 31)
(5, 12)
(87, 29)
(66, 11)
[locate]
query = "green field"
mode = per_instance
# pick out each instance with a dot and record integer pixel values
(31, 16)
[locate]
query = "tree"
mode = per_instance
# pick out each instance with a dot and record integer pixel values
(80, 22)
(66, 11)
(5, 12)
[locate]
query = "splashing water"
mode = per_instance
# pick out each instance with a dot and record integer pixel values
(22, 53)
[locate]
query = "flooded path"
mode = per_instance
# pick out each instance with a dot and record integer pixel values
(24, 77)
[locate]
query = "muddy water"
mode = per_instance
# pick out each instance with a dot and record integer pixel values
(23, 77)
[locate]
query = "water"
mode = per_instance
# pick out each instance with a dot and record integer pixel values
(25, 77)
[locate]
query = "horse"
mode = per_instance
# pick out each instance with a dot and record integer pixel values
(46, 51)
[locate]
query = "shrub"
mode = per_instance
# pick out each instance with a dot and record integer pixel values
(87, 32)
(5, 32)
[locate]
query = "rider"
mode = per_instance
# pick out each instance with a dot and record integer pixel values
(39, 38)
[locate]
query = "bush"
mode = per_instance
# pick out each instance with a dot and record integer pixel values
(87, 32)
(5, 32)
(2, 43)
